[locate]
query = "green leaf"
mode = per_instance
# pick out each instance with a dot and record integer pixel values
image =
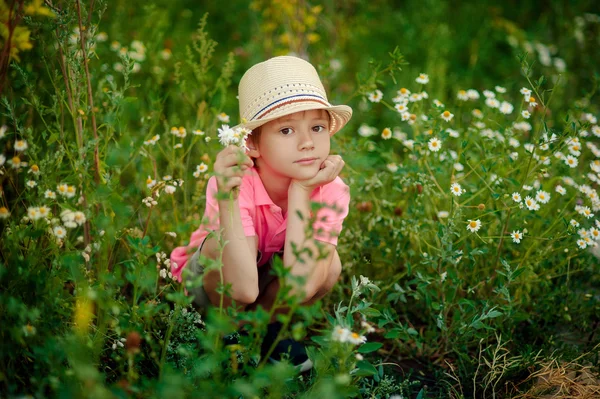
(369, 347)
(365, 369)
(392, 334)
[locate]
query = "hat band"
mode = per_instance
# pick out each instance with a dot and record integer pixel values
(288, 100)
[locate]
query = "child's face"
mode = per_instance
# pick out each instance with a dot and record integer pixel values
(294, 145)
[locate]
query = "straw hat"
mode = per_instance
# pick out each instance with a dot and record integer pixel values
(281, 86)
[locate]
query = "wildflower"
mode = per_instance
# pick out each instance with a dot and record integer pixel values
(500, 89)
(163, 273)
(492, 102)
(542, 196)
(517, 236)
(447, 116)
(340, 334)
(169, 189)
(365, 130)
(532, 102)
(571, 161)
(516, 197)
(474, 225)
(386, 133)
(422, 79)
(16, 162)
(401, 108)
(531, 204)
(596, 130)
(167, 177)
(79, 217)
(223, 117)
(392, 167)
(459, 167)
(44, 211)
(70, 192)
(526, 92)
(198, 132)
(443, 214)
(153, 140)
(171, 233)
(405, 116)
(526, 114)
(489, 94)
(150, 182)
(375, 96)
(473, 94)
(581, 244)
(438, 103)
(477, 114)
(452, 133)
(594, 233)
(20, 145)
(34, 169)
(574, 223)
(149, 202)
(59, 232)
(50, 194)
(506, 108)
(33, 213)
(4, 213)
(462, 95)
(585, 211)
(178, 145)
(456, 189)
(434, 144)
(31, 183)
(369, 328)
(356, 339)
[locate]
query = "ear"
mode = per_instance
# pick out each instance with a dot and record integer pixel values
(253, 151)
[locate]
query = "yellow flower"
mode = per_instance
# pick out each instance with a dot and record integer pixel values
(386, 133)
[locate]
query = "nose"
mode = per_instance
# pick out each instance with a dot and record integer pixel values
(306, 141)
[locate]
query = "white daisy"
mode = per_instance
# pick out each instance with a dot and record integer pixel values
(223, 117)
(517, 236)
(422, 79)
(375, 96)
(434, 144)
(456, 189)
(516, 197)
(561, 190)
(571, 161)
(542, 196)
(447, 116)
(20, 145)
(60, 232)
(526, 114)
(474, 225)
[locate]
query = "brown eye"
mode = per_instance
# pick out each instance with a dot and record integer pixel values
(286, 131)
(318, 129)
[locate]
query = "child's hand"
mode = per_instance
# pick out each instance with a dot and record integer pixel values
(330, 169)
(230, 166)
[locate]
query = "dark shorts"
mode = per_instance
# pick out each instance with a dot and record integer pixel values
(201, 297)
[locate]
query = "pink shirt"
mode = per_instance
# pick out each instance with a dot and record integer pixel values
(262, 218)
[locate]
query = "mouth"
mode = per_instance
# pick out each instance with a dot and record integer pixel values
(306, 161)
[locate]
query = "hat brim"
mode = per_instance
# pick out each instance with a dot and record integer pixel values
(340, 115)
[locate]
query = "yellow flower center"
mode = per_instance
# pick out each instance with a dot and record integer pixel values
(3, 211)
(16, 160)
(446, 114)
(35, 168)
(473, 224)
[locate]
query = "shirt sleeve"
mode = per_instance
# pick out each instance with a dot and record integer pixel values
(335, 200)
